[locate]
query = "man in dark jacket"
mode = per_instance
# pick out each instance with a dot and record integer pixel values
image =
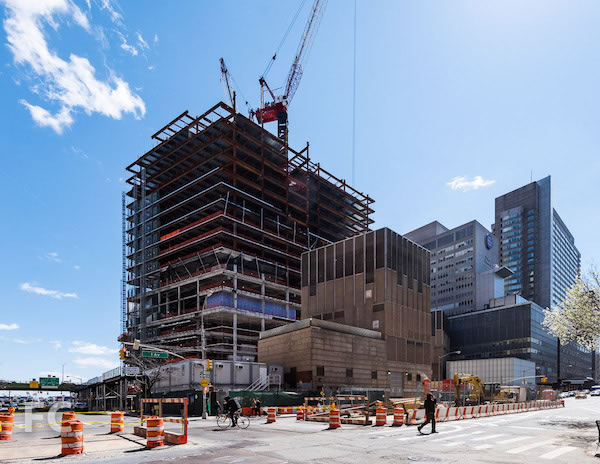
(231, 407)
(430, 405)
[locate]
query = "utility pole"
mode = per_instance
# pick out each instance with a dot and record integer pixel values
(204, 363)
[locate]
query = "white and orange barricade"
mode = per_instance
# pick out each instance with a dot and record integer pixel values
(334, 419)
(380, 416)
(173, 438)
(117, 422)
(398, 416)
(6, 426)
(71, 437)
(271, 415)
(68, 416)
(300, 413)
(155, 432)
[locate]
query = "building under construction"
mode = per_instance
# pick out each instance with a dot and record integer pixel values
(216, 219)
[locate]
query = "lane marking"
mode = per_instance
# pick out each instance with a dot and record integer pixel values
(489, 437)
(454, 443)
(513, 440)
(525, 427)
(557, 452)
(530, 446)
(482, 447)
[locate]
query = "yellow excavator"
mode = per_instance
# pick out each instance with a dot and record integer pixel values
(477, 395)
(480, 392)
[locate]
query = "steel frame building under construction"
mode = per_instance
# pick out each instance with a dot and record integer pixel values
(217, 217)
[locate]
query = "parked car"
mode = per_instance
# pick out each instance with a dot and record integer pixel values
(580, 396)
(595, 393)
(564, 395)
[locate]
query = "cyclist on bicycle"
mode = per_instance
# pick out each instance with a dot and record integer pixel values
(231, 407)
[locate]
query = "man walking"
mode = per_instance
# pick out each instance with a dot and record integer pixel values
(430, 405)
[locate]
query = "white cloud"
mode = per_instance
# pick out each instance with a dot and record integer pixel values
(72, 83)
(9, 326)
(155, 38)
(464, 184)
(20, 341)
(102, 363)
(42, 116)
(150, 68)
(33, 288)
(141, 42)
(90, 349)
(53, 256)
(127, 47)
(77, 267)
(56, 344)
(114, 16)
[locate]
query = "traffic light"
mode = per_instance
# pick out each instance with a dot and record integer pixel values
(209, 365)
(123, 353)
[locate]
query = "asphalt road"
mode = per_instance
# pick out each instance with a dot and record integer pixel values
(564, 435)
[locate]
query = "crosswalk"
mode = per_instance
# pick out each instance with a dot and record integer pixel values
(527, 445)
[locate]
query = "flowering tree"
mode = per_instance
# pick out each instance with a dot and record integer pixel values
(577, 318)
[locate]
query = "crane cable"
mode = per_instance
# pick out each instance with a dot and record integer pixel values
(283, 39)
(354, 102)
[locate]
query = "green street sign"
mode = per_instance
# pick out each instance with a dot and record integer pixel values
(155, 354)
(49, 382)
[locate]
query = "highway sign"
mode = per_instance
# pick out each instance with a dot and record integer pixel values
(155, 354)
(49, 382)
(204, 383)
(34, 384)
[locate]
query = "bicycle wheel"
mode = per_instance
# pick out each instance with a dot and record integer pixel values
(223, 421)
(243, 422)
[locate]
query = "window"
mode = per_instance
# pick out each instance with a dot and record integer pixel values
(349, 373)
(374, 375)
(418, 377)
(378, 307)
(409, 376)
(320, 371)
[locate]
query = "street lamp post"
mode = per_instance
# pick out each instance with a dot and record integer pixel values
(440, 362)
(203, 335)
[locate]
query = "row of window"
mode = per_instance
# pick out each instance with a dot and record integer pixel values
(350, 374)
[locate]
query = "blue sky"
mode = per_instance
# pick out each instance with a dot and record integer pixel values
(446, 89)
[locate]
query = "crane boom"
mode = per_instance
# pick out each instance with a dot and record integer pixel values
(276, 110)
(296, 71)
(226, 79)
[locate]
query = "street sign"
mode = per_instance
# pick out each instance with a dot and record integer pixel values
(132, 370)
(34, 384)
(155, 354)
(49, 382)
(204, 383)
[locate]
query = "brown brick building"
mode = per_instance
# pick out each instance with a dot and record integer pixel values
(378, 281)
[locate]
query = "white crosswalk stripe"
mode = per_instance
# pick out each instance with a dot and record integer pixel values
(454, 443)
(513, 440)
(557, 452)
(488, 437)
(482, 447)
(530, 446)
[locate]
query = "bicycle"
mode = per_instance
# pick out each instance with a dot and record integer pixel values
(224, 421)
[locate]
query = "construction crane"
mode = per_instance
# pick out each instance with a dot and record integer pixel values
(226, 79)
(277, 108)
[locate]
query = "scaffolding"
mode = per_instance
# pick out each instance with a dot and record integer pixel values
(219, 214)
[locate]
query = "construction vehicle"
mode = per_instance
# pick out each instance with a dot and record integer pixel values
(483, 392)
(477, 394)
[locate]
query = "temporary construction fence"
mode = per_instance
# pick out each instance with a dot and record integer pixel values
(415, 416)
(170, 437)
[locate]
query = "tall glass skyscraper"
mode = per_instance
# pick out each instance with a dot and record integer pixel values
(539, 248)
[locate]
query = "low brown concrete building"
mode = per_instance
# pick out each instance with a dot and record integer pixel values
(320, 354)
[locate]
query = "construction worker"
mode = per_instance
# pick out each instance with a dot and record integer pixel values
(430, 405)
